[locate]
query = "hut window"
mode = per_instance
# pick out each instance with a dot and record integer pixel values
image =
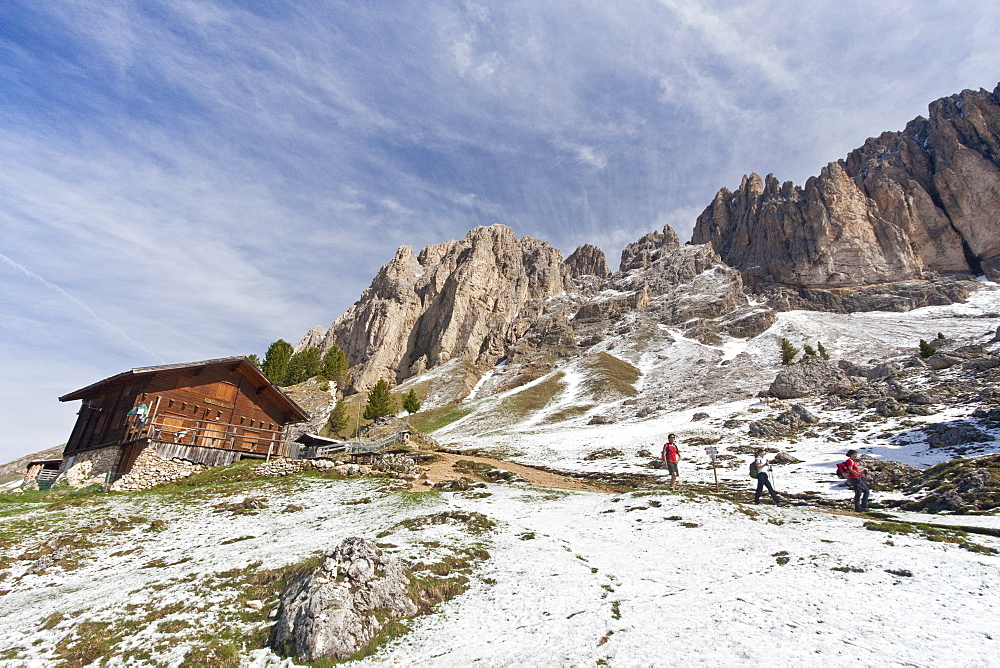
(225, 392)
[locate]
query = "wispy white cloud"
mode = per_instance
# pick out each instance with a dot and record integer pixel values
(207, 176)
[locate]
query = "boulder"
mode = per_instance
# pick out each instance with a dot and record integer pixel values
(939, 361)
(793, 419)
(887, 474)
(889, 407)
(949, 434)
(334, 611)
(810, 377)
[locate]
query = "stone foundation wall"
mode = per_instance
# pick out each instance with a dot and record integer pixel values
(29, 477)
(91, 466)
(150, 470)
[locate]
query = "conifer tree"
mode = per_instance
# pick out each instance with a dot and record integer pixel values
(254, 359)
(809, 350)
(335, 366)
(338, 419)
(788, 352)
(275, 365)
(380, 401)
(822, 351)
(303, 365)
(410, 402)
(926, 349)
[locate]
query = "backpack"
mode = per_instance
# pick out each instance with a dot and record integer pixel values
(843, 469)
(753, 469)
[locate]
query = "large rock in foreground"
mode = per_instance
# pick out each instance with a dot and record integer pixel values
(336, 610)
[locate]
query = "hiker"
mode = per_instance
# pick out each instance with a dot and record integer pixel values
(762, 465)
(671, 455)
(856, 481)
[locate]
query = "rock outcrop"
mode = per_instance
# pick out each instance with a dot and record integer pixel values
(687, 286)
(588, 260)
(454, 299)
(335, 611)
(906, 205)
(810, 377)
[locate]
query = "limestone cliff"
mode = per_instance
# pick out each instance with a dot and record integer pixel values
(904, 206)
(454, 299)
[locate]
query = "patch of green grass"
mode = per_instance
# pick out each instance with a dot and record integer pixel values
(214, 480)
(568, 413)
(528, 401)
(88, 642)
(475, 523)
(213, 652)
(431, 420)
(610, 377)
(932, 533)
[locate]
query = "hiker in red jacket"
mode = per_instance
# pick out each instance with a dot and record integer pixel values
(856, 481)
(671, 455)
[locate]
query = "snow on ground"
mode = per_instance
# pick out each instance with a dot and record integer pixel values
(617, 579)
(573, 578)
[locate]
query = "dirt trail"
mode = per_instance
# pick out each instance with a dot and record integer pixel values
(443, 469)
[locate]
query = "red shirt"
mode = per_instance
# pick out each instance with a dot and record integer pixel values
(671, 451)
(853, 471)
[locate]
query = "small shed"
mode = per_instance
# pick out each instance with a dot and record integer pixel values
(209, 413)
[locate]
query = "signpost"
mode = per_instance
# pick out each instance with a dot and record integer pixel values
(713, 452)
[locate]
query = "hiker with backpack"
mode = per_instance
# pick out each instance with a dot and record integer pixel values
(671, 455)
(855, 480)
(758, 470)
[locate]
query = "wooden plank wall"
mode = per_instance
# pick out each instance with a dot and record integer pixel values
(218, 393)
(192, 453)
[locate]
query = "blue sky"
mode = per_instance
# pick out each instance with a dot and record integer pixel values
(187, 180)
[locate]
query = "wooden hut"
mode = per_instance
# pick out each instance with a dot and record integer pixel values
(211, 412)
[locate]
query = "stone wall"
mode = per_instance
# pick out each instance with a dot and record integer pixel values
(91, 466)
(150, 470)
(29, 477)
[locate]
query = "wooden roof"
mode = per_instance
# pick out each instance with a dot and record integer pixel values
(245, 365)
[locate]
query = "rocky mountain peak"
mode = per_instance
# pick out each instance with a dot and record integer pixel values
(903, 206)
(588, 260)
(648, 249)
(453, 299)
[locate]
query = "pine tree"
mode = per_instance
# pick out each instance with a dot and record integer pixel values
(338, 419)
(809, 350)
(380, 402)
(335, 366)
(926, 349)
(410, 402)
(275, 365)
(788, 352)
(303, 365)
(822, 351)
(254, 360)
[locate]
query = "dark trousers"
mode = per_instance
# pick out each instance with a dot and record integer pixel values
(861, 492)
(763, 482)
